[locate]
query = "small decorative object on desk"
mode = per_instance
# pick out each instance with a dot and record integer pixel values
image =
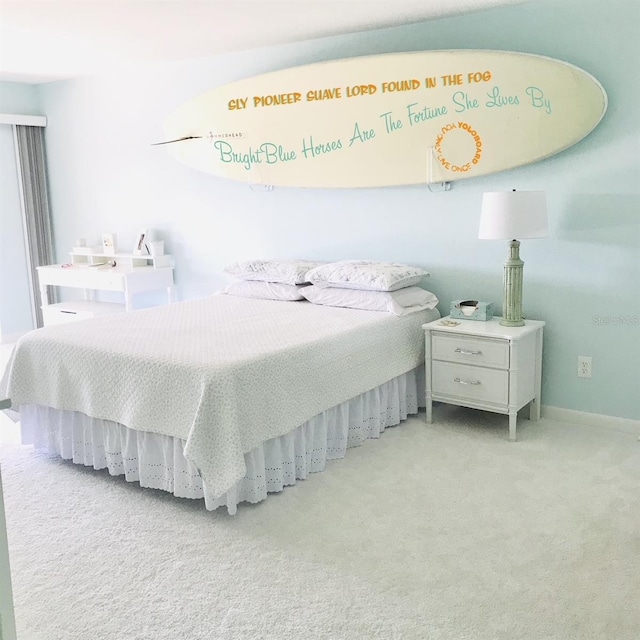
(83, 250)
(140, 247)
(109, 243)
(471, 310)
(156, 247)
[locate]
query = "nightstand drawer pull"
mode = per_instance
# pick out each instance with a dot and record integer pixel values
(473, 382)
(468, 353)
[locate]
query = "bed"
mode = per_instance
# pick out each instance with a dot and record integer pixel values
(223, 398)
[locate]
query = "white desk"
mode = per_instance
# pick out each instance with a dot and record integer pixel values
(126, 279)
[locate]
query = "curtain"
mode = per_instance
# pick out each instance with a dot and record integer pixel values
(37, 218)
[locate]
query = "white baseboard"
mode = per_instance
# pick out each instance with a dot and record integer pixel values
(590, 419)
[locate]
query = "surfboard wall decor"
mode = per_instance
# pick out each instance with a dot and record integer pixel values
(389, 119)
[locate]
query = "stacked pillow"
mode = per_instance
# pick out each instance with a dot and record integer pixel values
(355, 284)
(269, 279)
(367, 284)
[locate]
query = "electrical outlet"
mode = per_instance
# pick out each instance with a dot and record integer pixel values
(584, 366)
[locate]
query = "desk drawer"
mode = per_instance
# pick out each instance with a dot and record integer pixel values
(82, 278)
(485, 352)
(64, 312)
(106, 280)
(470, 383)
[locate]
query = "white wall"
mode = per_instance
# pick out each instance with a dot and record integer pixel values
(106, 176)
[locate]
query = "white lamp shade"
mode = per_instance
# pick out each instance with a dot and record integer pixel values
(512, 215)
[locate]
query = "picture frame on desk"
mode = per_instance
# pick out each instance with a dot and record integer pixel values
(109, 244)
(140, 248)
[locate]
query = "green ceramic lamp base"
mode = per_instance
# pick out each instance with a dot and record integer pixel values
(512, 301)
(512, 323)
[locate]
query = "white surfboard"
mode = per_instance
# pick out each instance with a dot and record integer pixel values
(389, 119)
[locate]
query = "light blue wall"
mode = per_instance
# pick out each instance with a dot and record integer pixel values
(15, 304)
(105, 176)
(16, 97)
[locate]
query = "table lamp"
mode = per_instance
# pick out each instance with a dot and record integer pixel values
(507, 215)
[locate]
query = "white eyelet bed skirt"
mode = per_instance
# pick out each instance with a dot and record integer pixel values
(157, 461)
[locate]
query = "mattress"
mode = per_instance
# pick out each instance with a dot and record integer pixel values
(223, 373)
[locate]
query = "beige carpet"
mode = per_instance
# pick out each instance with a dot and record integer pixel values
(432, 532)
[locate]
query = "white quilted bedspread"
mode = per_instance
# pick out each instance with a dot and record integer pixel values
(223, 373)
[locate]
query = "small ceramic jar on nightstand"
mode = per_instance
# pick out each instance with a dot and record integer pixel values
(484, 365)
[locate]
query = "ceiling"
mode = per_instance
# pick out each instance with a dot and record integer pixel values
(45, 40)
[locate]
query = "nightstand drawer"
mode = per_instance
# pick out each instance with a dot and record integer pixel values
(470, 383)
(485, 352)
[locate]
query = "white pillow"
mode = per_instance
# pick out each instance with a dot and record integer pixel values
(264, 290)
(366, 274)
(401, 303)
(286, 271)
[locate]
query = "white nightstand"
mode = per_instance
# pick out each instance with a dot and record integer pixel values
(484, 365)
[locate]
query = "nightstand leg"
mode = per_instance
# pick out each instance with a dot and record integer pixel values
(534, 410)
(534, 407)
(427, 378)
(513, 417)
